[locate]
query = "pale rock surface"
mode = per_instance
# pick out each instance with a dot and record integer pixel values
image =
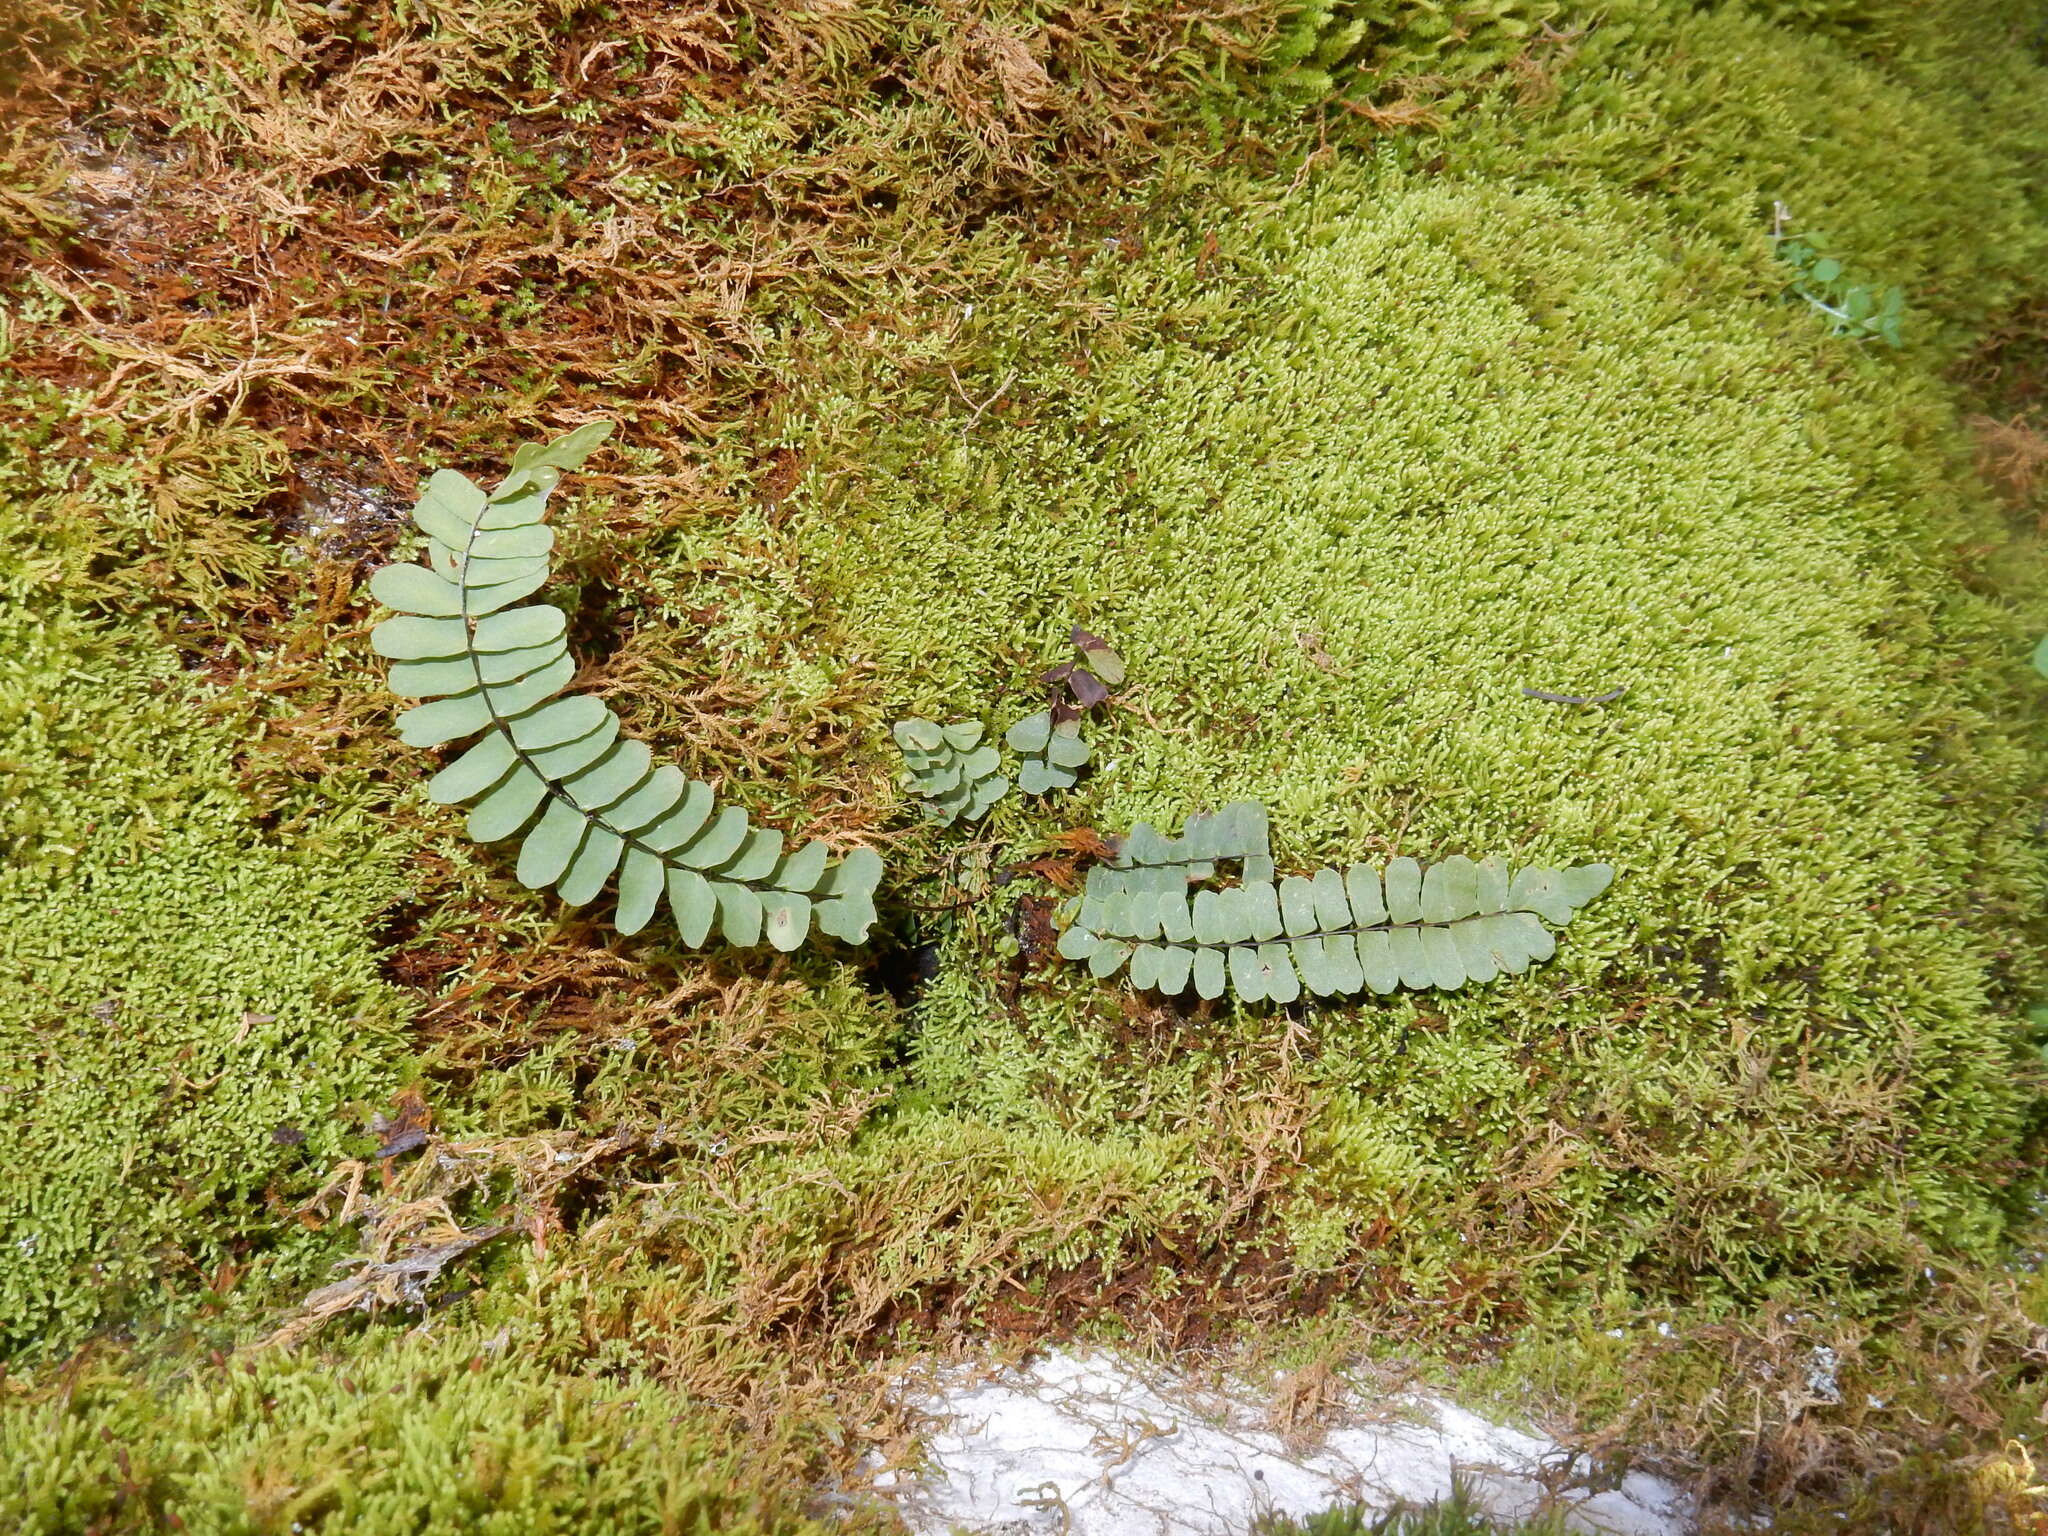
(1085, 1444)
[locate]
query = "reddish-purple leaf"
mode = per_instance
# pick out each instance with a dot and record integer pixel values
(1089, 690)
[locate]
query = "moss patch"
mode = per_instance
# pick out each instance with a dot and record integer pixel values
(1469, 441)
(189, 1002)
(410, 1437)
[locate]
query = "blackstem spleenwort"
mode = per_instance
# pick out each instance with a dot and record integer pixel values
(591, 808)
(589, 805)
(1154, 913)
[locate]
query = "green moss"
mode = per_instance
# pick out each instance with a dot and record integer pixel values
(1326, 47)
(187, 1004)
(1342, 455)
(1922, 160)
(1472, 440)
(411, 1437)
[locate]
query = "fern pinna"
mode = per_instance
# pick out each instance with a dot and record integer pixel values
(588, 804)
(1338, 931)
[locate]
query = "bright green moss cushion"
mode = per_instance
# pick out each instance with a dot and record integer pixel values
(1472, 441)
(451, 1435)
(185, 1002)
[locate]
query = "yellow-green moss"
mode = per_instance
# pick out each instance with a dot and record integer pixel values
(1465, 441)
(420, 1436)
(1342, 455)
(187, 1003)
(1922, 159)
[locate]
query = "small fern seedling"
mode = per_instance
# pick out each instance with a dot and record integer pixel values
(1050, 755)
(1852, 308)
(950, 768)
(588, 805)
(1050, 743)
(959, 777)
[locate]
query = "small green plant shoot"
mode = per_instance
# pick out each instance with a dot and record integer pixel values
(959, 776)
(1852, 308)
(1085, 681)
(587, 804)
(950, 768)
(1052, 752)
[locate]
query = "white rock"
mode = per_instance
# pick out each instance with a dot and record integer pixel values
(1086, 1444)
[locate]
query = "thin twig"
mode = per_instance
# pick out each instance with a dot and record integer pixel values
(1576, 698)
(966, 400)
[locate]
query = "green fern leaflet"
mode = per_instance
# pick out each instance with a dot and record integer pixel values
(589, 806)
(1053, 752)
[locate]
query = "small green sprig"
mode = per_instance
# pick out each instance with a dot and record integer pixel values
(1051, 753)
(1852, 308)
(1155, 912)
(959, 777)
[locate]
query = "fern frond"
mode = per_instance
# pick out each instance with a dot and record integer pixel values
(1052, 753)
(588, 807)
(950, 768)
(1335, 932)
(1148, 860)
